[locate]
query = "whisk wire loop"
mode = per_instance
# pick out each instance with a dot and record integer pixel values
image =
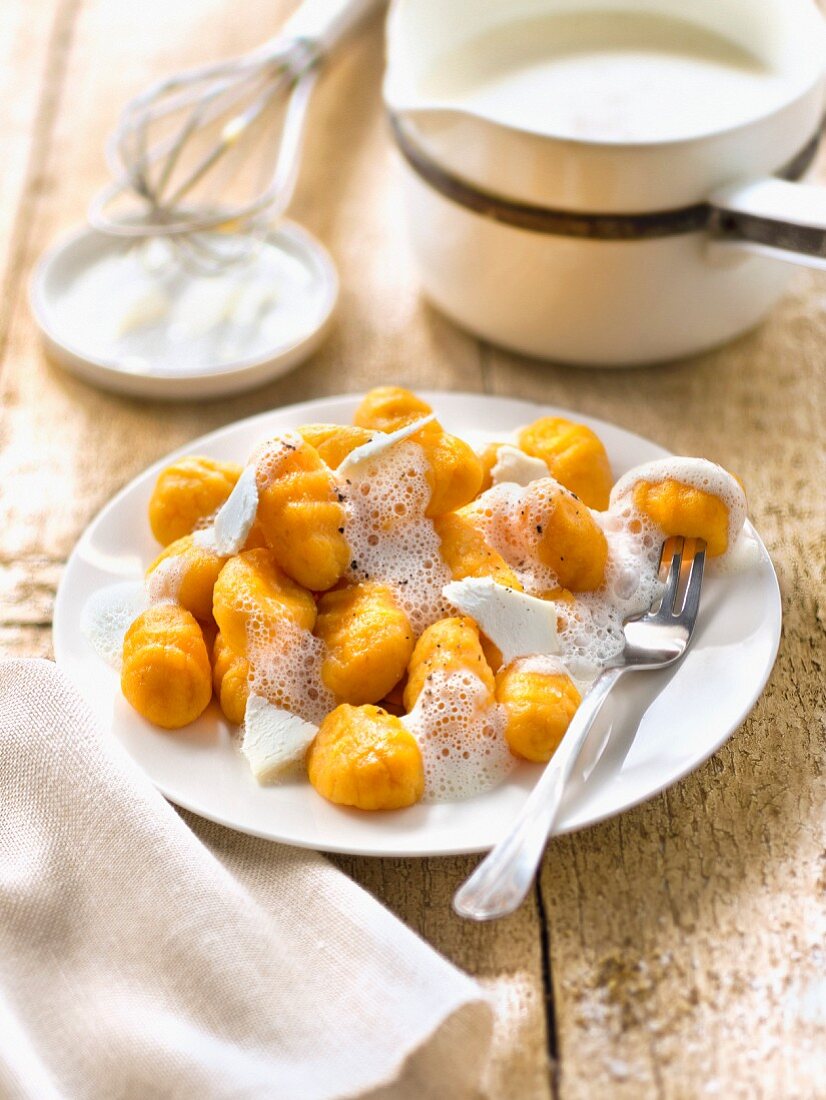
(164, 171)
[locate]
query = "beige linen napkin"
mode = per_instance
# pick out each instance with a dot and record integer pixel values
(138, 961)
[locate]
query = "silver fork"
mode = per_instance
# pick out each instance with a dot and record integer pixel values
(655, 640)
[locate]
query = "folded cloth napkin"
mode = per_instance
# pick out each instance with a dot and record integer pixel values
(137, 960)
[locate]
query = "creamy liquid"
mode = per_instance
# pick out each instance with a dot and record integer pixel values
(140, 309)
(603, 76)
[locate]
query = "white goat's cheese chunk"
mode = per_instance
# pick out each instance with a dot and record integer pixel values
(233, 523)
(518, 624)
(381, 442)
(275, 740)
(513, 465)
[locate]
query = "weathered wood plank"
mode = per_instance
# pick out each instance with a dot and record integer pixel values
(687, 936)
(29, 83)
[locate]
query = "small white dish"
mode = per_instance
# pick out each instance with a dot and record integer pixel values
(662, 726)
(110, 316)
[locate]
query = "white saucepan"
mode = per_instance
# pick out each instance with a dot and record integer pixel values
(608, 181)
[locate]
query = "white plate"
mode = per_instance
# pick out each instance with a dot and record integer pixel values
(71, 273)
(661, 725)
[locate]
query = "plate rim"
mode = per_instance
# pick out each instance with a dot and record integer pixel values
(203, 441)
(235, 377)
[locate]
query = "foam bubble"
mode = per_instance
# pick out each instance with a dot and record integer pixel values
(285, 666)
(391, 539)
(266, 459)
(590, 626)
(108, 614)
(509, 517)
(164, 582)
(546, 664)
(461, 733)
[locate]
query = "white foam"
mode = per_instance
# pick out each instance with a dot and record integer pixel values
(745, 554)
(285, 667)
(267, 458)
(514, 466)
(164, 582)
(589, 628)
(391, 539)
(460, 730)
(545, 664)
(516, 623)
(108, 614)
(380, 444)
(697, 473)
(274, 740)
(581, 674)
(233, 522)
(510, 522)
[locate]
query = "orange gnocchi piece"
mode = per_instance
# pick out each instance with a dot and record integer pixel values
(301, 515)
(364, 757)
(539, 705)
(449, 645)
(368, 642)
(231, 680)
(574, 455)
(253, 593)
(166, 674)
(492, 652)
(567, 537)
(387, 408)
(334, 441)
(454, 470)
(187, 492)
(394, 699)
(489, 457)
(467, 554)
(679, 509)
(186, 573)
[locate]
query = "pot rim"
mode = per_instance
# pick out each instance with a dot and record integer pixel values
(798, 89)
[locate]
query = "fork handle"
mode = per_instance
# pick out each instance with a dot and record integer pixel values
(499, 884)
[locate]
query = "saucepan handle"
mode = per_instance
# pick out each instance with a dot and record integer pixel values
(772, 217)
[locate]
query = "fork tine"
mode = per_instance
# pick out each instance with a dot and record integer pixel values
(672, 547)
(691, 603)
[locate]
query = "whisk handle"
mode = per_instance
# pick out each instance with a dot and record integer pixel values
(325, 22)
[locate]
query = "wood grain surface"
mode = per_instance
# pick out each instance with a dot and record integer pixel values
(677, 951)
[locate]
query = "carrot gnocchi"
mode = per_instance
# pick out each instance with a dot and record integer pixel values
(396, 613)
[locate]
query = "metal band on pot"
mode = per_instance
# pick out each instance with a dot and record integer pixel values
(574, 223)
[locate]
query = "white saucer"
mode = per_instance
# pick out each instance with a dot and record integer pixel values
(655, 728)
(163, 344)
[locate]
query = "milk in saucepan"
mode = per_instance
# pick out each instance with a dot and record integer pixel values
(606, 76)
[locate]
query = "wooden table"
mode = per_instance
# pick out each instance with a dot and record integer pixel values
(677, 951)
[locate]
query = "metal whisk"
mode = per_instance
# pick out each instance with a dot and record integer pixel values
(183, 151)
